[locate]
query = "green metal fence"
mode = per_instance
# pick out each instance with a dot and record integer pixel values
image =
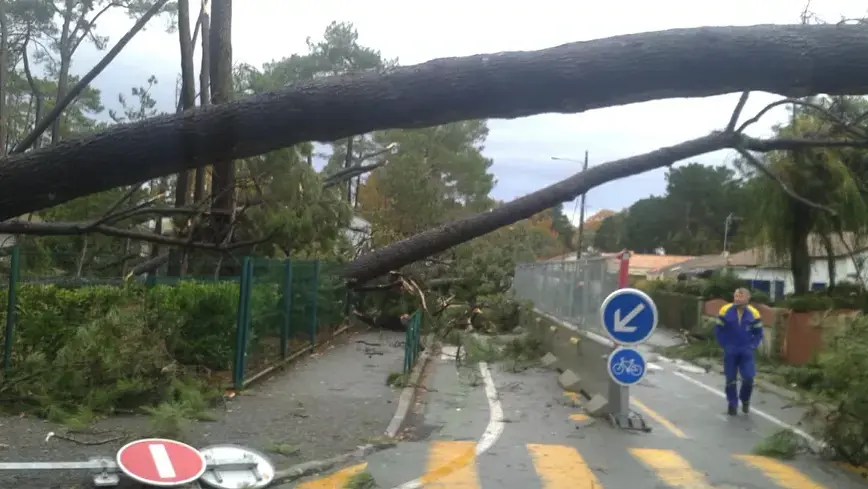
(285, 308)
(241, 327)
(412, 344)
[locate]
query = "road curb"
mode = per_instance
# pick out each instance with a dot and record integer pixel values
(408, 395)
(314, 467)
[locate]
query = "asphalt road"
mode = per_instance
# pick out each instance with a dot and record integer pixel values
(537, 437)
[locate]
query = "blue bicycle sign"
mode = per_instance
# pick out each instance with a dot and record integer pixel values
(626, 366)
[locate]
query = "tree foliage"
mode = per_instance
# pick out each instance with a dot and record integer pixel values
(688, 220)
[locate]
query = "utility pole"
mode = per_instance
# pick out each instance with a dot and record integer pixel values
(726, 224)
(581, 237)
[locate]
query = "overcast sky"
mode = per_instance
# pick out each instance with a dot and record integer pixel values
(414, 32)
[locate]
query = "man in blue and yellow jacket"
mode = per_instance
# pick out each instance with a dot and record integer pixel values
(739, 331)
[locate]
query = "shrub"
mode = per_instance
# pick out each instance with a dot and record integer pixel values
(92, 349)
(197, 321)
(722, 285)
(841, 381)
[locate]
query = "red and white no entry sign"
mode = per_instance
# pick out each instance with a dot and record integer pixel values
(162, 463)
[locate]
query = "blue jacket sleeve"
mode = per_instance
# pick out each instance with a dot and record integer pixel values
(756, 328)
(757, 334)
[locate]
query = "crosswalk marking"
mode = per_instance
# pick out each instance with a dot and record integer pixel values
(784, 475)
(577, 401)
(659, 419)
(671, 468)
(337, 480)
(451, 465)
(561, 467)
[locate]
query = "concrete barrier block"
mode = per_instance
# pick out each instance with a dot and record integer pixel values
(569, 381)
(549, 361)
(597, 406)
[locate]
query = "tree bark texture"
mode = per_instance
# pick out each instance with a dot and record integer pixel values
(223, 173)
(204, 98)
(790, 60)
(188, 88)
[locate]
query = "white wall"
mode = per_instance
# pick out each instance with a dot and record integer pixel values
(845, 270)
(770, 274)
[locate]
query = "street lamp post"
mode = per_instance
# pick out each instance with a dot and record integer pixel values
(581, 232)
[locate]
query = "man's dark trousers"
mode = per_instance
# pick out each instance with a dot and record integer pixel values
(735, 364)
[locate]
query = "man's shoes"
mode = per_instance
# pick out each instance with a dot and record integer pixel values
(745, 407)
(732, 410)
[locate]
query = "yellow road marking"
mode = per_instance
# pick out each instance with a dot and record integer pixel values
(783, 475)
(671, 468)
(577, 399)
(338, 480)
(451, 464)
(860, 471)
(561, 467)
(660, 419)
(574, 340)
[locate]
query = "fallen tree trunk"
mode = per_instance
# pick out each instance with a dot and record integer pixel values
(791, 60)
(441, 238)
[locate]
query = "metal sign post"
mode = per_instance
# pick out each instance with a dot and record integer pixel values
(630, 318)
(169, 463)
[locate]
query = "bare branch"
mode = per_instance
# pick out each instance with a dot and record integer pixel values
(848, 127)
(358, 168)
(79, 87)
(114, 207)
(753, 161)
(21, 227)
(87, 28)
(789, 144)
(351, 172)
(736, 113)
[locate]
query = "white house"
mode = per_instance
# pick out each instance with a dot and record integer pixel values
(766, 273)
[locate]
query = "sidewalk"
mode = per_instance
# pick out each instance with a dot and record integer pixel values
(324, 405)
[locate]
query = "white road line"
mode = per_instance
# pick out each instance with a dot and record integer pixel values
(493, 430)
(816, 444)
(162, 462)
(495, 421)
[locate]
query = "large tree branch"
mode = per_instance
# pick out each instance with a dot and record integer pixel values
(436, 240)
(433, 241)
(20, 226)
(790, 60)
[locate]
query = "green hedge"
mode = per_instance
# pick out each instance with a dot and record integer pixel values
(102, 347)
(196, 321)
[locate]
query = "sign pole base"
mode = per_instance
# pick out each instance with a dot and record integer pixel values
(630, 421)
(620, 415)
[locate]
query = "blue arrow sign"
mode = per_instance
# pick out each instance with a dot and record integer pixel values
(626, 366)
(629, 316)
